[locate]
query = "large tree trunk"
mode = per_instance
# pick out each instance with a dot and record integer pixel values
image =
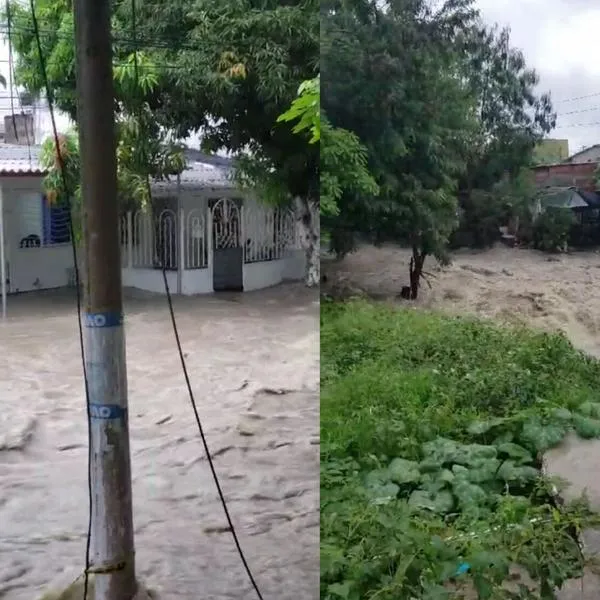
(416, 271)
(307, 215)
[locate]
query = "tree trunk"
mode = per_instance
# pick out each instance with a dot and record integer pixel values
(307, 215)
(416, 271)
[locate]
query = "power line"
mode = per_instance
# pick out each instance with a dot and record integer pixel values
(184, 364)
(150, 42)
(581, 110)
(576, 125)
(575, 98)
(69, 194)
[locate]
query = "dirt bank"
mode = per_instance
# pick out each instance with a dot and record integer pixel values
(559, 292)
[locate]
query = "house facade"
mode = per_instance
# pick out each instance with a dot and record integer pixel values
(587, 155)
(205, 232)
(577, 174)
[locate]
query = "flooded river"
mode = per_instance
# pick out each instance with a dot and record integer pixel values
(240, 350)
(547, 291)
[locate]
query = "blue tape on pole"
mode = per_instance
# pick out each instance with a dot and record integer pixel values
(103, 319)
(107, 411)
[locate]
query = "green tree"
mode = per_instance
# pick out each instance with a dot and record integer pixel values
(227, 69)
(384, 73)
(512, 117)
(444, 106)
(343, 158)
(144, 151)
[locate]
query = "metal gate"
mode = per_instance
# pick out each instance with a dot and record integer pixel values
(228, 255)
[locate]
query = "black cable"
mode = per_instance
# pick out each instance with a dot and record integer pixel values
(81, 337)
(184, 365)
(68, 193)
(201, 430)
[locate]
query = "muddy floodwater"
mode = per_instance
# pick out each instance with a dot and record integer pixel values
(554, 292)
(254, 364)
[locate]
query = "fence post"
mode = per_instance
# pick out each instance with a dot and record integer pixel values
(182, 262)
(129, 239)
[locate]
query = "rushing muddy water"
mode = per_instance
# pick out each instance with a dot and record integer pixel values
(552, 292)
(240, 350)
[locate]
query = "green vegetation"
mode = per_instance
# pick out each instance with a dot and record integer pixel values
(226, 69)
(385, 69)
(552, 229)
(432, 430)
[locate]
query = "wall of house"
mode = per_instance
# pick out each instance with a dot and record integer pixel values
(48, 262)
(149, 280)
(590, 155)
(580, 175)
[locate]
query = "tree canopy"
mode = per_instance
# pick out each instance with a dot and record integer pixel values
(225, 69)
(443, 106)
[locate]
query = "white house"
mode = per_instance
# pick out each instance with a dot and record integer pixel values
(205, 232)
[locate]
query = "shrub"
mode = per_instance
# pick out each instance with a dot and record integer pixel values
(552, 229)
(431, 430)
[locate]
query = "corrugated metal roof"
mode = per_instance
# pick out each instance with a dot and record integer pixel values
(202, 173)
(20, 160)
(209, 171)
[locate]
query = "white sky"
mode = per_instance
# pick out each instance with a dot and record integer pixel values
(560, 39)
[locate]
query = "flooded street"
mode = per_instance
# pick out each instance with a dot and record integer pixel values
(254, 364)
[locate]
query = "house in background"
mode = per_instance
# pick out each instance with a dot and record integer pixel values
(551, 151)
(576, 174)
(208, 235)
(587, 155)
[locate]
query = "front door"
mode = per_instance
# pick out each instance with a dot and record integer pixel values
(228, 255)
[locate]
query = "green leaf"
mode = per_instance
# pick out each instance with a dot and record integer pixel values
(468, 494)
(586, 427)
(404, 471)
(383, 493)
(515, 451)
(473, 454)
(562, 414)
(377, 477)
(440, 503)
(340, 590)
(511, 472)
(483, 471)
(589, 409)
(483, 427)
(439, 452)
(542, 437)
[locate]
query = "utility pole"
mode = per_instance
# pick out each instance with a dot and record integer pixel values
(112, 547)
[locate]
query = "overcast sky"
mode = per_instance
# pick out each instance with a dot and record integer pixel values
(561, 40)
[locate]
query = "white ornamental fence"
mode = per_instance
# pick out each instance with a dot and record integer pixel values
(150, 240)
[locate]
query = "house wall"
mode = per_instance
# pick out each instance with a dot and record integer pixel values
(585, 156)
(190, 225)
(34, 268)
(51, 266)
(580, 175)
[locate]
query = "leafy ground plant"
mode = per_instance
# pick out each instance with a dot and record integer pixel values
(432, 435)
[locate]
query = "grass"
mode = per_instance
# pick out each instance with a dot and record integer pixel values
(432, 432)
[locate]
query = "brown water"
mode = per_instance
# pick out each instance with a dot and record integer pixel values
(551, 292)
(239, 348)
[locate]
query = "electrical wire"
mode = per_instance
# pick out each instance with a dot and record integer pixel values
(68, 194)
(185, 369)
